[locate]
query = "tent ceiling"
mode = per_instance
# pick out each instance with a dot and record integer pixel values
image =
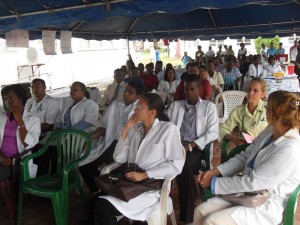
(141, 19)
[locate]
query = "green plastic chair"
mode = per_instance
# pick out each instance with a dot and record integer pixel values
(288, 215)
(73, 146)
(236, 150)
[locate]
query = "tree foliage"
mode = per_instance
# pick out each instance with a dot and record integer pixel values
(258, 41)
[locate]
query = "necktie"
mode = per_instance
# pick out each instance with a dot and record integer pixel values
(116, 93)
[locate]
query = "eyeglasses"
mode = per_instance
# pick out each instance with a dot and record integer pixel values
(139, 107)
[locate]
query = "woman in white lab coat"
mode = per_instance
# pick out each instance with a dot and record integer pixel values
(155, 146)
(81, 113)
(18, 131)
(272, 67)
(270, 162)
(169, 83)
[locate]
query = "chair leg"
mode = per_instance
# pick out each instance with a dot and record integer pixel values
(60, 208)
(20, 202)
(8, 190)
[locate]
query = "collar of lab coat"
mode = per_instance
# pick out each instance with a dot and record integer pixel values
(292, 133)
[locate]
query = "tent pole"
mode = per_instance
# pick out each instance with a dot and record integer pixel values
(128, 48)
(49, 10)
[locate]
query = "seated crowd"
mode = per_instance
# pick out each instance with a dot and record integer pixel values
(169, 136)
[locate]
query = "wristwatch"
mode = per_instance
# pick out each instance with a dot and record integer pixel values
(190, 147)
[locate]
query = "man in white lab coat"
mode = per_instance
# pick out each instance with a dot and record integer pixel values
(46, 109)
(198, 123)
(106, 136)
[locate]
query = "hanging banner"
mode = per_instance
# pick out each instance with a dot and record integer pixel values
(17, 38)
(48, 38)
(65, 42)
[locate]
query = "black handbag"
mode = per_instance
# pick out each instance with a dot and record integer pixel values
(117, 185)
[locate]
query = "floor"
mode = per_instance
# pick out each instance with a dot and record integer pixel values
(38, 211)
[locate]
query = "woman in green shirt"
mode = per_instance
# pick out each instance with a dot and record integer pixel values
(249, 118)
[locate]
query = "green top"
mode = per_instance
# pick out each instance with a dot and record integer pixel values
(251, 124)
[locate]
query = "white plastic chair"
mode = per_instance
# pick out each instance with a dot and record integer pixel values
(159, 217)
(231, 99)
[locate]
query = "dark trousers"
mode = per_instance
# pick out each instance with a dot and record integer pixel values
(5, 172)
(90, 170)
(46, 161)
(187, 189)
(105, 213)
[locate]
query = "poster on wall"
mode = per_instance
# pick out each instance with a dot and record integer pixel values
(65, 42)
(17, 38)
(48, 39)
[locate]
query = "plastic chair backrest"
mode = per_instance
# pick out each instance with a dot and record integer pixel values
(231, 100)
(70, 145)
(288, 215)
(237, 150)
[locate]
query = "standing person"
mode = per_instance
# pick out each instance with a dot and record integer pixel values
(242, 51)
(220, 52)
(204, 90)
(280, 50)
(297, 62)
(263, 51)
(154, 145)
(107, 135)
(198, 123)
(199, 55)
(149, 78)
(293, 51)
(230, 51)
(271, 162)
(272, 50)
(18, 129)
(249, 118)
(210, 54)
(115, 90)
(185, 58)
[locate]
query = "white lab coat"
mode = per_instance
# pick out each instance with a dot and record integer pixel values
(159, 154)
(86, 110)
(276, 168)
(164, 86)
(207, 124)
(255, 73)
(113, 121)
(33, 127)
(46, 110)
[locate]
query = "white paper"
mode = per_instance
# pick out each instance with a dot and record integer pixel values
(48, 38)
(65, 42)
(17, 38)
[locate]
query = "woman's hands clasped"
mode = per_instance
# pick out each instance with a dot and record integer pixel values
(204, 178)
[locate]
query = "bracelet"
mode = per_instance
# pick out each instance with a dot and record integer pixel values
(21, 126)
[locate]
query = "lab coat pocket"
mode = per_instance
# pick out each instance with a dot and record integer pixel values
(201, 124)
